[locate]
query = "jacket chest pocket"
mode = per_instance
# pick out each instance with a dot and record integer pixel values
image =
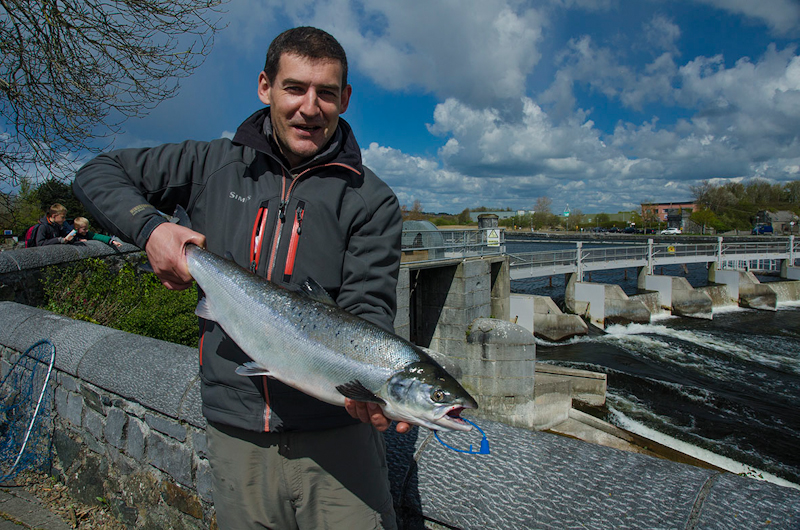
(276, 237)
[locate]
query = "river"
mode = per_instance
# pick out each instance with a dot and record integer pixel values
(726, 389)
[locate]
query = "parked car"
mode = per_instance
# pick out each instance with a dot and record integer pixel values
(649, 230)
(670, 231)
(762, 230)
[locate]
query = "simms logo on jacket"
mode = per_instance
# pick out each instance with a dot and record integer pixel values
(234, 195)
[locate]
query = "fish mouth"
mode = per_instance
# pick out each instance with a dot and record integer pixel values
(452, 419)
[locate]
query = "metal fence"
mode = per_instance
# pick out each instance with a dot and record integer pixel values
(759, 255)
(433, 245)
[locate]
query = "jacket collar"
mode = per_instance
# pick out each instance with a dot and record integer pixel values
(256, 132)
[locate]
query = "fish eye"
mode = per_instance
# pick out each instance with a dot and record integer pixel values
(437, 395)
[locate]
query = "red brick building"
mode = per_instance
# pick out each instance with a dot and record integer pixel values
(662, 209)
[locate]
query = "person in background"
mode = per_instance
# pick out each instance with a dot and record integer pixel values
(52, 229)
(82, 233)
(289, 199)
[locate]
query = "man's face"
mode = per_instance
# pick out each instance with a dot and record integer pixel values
(306, 99)
(58, 219)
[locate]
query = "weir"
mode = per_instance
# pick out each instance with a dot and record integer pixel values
(128, 429)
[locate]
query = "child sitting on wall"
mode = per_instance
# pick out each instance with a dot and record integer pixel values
(83, 233)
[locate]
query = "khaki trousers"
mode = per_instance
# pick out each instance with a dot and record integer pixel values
(330, 479)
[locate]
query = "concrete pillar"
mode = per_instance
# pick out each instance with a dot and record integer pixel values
(542, 317)
(402, 317)
(501, 288)
(498, 365)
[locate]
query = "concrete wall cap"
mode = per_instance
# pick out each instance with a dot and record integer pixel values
(494, 331)
(38, 257)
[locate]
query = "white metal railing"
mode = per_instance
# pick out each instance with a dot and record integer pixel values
(728, 255)
(434, 245)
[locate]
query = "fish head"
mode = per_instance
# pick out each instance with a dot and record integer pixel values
(425, 394)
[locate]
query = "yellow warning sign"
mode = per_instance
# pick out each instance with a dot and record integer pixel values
(493, 238)
(671, 249)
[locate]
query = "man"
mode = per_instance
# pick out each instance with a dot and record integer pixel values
(289, 199)
(51, 229)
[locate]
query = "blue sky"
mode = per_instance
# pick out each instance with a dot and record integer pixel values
(598, 105)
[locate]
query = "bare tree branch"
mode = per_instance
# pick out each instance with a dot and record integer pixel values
(72, 71)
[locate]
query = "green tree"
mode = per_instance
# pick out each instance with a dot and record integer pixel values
(704, 218)
(541, 213)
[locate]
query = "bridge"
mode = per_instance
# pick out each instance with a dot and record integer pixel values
(756, 255)
(442, 245)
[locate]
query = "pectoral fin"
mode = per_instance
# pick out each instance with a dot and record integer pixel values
(203, 310)
(355, 390)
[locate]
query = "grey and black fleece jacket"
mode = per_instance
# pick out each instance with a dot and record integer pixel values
(330, 219)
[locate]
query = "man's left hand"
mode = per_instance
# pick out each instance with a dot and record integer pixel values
(372, 413)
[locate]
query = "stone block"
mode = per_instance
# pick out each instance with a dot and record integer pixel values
(203, 480)
(166, 426)
(68, 382)
(136, 441)
(94, 423)
(171, 457)
(69, 406)
(114, 431)
(199, 442)
(92, 399)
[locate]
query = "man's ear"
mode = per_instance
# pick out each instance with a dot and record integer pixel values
(264, 88)
(345, 101)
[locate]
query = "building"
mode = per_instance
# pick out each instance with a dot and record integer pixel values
(661, 210)
(782, 222)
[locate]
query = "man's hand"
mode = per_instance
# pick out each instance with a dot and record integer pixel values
(372, 413)
(166, 250)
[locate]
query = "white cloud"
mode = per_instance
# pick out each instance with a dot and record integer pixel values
(478, 54)
(781, 16)
(662, 33)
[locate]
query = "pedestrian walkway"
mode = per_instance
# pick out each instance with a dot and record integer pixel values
(21, 510)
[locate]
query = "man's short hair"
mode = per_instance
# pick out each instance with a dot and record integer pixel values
(304, 41)
(80, 222)
(56, 209)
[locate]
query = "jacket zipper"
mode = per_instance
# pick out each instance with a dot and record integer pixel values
(295, 238)
(279, 226)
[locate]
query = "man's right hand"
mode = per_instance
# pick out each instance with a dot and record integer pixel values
(166, 251)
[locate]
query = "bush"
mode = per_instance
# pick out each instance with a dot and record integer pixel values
(127, 300)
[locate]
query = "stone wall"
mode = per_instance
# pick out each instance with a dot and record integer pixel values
(127, 421)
